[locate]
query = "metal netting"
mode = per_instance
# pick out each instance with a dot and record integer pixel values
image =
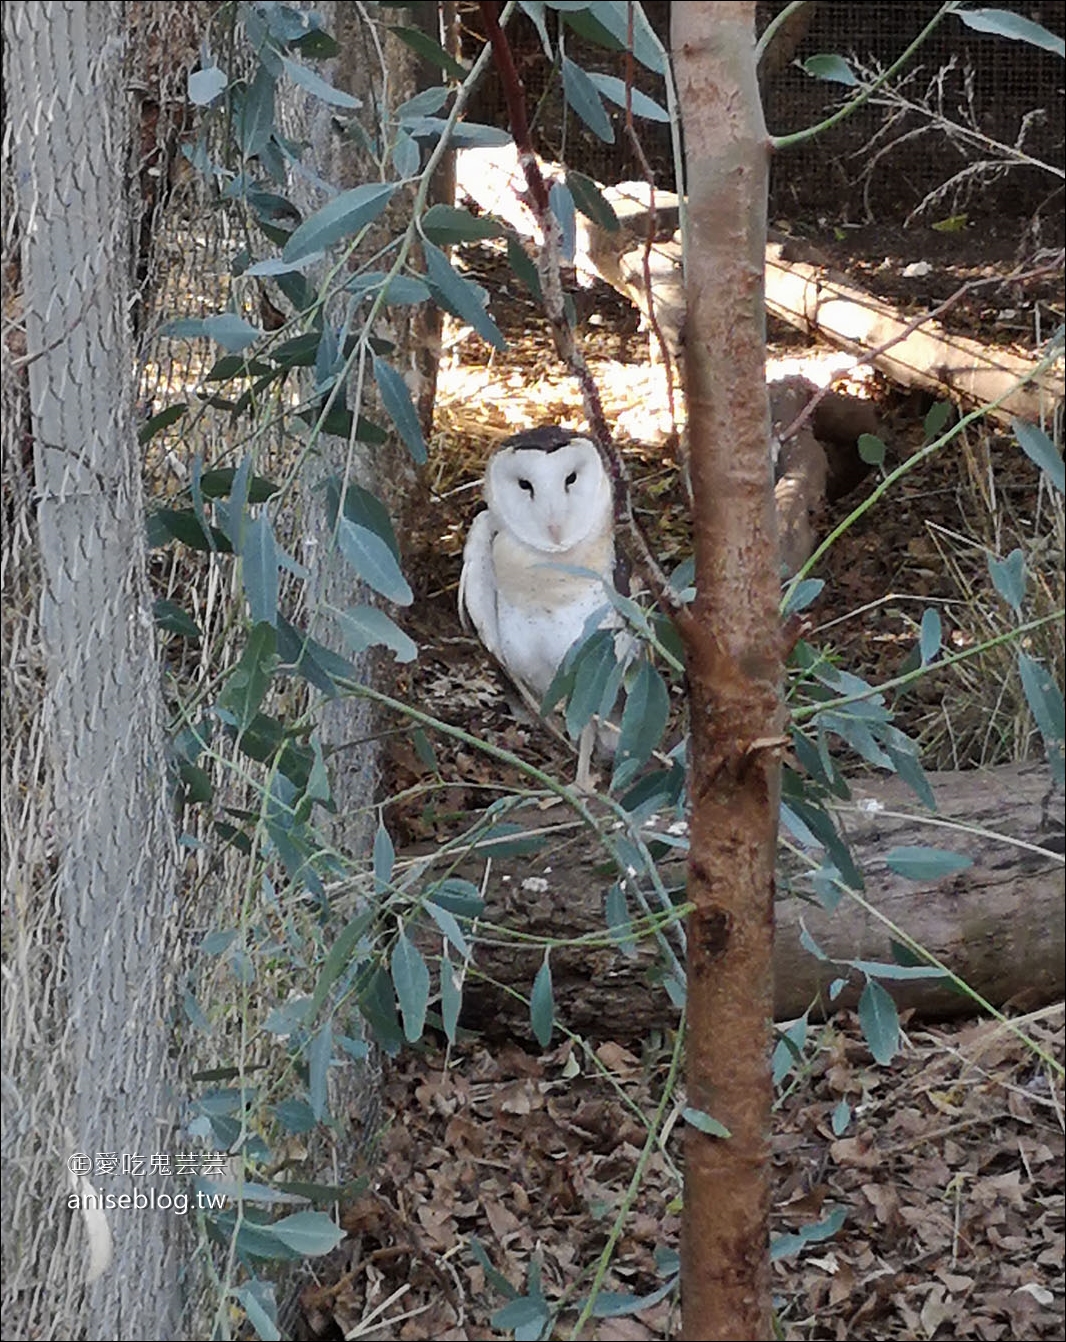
(90, 856)
(965, 100)
(108, 234)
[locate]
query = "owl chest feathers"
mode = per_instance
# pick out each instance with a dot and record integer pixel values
(542, 605)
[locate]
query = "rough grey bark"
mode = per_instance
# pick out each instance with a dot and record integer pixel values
(90, 1075)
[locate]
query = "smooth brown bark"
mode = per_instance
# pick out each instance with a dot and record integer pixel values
(733, 650)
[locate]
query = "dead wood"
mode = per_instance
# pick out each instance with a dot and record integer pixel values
(999, 925)
(808, 297)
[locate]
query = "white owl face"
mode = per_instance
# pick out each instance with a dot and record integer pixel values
(550, 497)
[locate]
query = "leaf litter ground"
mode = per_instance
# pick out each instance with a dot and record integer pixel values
(949, 1162)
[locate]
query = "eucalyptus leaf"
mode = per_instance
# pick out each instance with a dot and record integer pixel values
(1008, 577)
(314, 83)
(644, 719)
(431, 51)
(444, 224)
(542, 1004)
(917, 863)
(374, 561)
(205, 85)
(342, 217)
(1006, 23)
(1039, 448)
(703, 1122)
(615, 89)
(583, 96)
(398, 404)
(259, 569)
(410, 978)
(830, 67)
(931, 635)
(366, 626)
(319, 1055)
(461, 296)
(784, 1246)
(309, 1234)
(879, 1021)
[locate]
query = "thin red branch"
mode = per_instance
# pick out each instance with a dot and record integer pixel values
(549, 268)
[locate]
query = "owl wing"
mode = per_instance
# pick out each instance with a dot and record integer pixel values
(477, 583)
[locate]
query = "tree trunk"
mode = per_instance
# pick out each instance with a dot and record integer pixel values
(998, 925)
(733, 660)
(91, 1067)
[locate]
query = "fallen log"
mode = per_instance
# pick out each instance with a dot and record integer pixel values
(811, 299)
(999, 925)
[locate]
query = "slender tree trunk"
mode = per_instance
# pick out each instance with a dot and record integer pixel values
(734, 670)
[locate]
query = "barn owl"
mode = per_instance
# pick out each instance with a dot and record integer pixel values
(550, 511)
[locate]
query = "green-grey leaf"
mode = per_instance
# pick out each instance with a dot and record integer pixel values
(257, 1300)
(583, 96)
(308, 1233)
(384, 859)
(703, 1122)
(342, 217)
(449, 925)
(591, 202)
(170, 616)
(206, 85)
(259, 569)
(830, 67)
(784, 1246)
(227, 329)
(451, 998)
(803, 594)
(926, 864)
(871, 449)
(1005, 23)
(1008, 577)
(615, 89)
(461, 296)
(931, 635)
(1046, 704)
(248, 682)
(445, 224)
(431, 51)
(314, 83)
(644, 720)
(374, 561)
(880, 1022)
(366, 627)
(397, 401)
(410, 978)
(542, 1004)
(936, 419)
(319, 1054)
(1039, 448)
(163, 420)
(253, 121)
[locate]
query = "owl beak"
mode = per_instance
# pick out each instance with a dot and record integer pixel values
(555, 533)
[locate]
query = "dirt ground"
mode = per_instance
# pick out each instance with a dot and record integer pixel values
(949, 1162)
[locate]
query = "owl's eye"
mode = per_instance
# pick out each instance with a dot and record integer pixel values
(527, 486)
(571, 479)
